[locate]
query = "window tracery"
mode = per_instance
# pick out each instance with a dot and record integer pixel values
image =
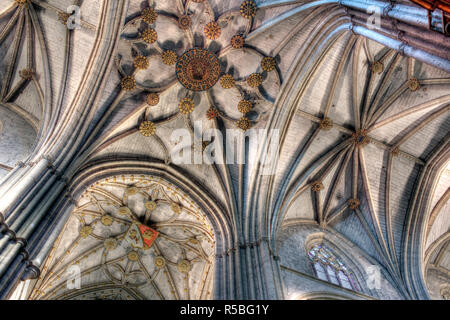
(329, 268)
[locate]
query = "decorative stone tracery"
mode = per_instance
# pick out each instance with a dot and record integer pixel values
(162, 251)
(198, 69)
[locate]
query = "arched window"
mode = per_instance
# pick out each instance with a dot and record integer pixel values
(329, 268)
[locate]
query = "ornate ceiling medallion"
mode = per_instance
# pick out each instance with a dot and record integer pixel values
(128, 83)
(186, 106)
(149, 15)
(110, 244)
(244, 106)
(107, 220)
(152, 99)
(149, 35)
(169, 57)
(243, 124)
(248, 9)
(141, 62)
(147, 128)
(413, 84)
(254, 80)
(85, 231)
(133, 256)
(184, 22)
(316, 186)
(140, 236)
(360, 138)
(123, 211)
(227, 81)
(173, 248)
(211, 113)
(160, 262)
(63, 17)
(175, 208)
(212, 30)
(326, 124)
(26, 74)
(198, 69)
(268, 64)
(237, 41)
(131, 191)
(201, 65)
(377, 67)
(353, 203)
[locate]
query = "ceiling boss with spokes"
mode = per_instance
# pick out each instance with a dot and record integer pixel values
(137, 237)
(197, 60)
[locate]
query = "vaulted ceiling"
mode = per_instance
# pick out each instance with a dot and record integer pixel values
(40, 68)
(100, 239)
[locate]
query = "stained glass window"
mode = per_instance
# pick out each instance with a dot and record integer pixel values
(320, 271)
(329, 268)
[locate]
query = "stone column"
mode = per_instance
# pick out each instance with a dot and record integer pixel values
(29, 195)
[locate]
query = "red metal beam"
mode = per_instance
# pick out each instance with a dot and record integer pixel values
(431, 5)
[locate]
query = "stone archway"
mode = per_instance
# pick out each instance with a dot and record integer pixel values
(137, 237)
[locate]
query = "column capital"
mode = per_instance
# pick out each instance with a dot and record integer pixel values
(31, 272)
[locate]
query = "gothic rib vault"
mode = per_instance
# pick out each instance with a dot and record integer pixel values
(87, 115)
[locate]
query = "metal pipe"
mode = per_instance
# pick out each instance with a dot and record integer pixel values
(408, 14)
(415, 53)
(402, 12)
(427, 35)
(413, 17)
(432, 48)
